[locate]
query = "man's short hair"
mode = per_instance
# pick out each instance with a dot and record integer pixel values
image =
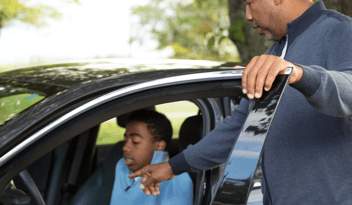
(158, 125)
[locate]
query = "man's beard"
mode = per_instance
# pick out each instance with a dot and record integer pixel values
(273, 36)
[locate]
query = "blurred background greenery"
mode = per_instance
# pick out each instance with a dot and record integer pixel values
(187, 29)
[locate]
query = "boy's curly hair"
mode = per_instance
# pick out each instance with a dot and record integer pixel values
(158, 125)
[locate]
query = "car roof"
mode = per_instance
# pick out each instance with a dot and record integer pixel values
(64, 84)
(72, 73)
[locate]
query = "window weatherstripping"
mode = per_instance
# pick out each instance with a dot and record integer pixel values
(237, 178)
(170, 81)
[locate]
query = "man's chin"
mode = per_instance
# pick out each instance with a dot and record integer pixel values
(268, 35)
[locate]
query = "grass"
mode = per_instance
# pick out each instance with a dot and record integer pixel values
(176, 112)
(14, 104)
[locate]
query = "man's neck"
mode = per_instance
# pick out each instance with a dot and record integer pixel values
(293, 9)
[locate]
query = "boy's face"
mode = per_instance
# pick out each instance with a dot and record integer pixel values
(140, 146)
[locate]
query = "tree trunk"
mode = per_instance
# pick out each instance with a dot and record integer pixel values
(342, 6)
(249, 43)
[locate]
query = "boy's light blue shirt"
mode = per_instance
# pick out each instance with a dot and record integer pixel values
(177, 191)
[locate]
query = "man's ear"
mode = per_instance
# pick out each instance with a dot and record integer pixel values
(160, 145)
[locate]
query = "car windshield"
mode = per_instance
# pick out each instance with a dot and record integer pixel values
(18, 95)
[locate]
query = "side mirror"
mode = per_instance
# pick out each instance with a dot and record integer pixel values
(14, 196)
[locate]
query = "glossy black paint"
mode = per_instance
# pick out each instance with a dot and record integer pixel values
(237, 180)
(10, 87)
(75, 73)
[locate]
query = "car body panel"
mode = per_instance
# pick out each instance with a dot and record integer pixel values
(78, 72)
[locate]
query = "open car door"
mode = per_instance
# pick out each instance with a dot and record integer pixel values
(237, 179)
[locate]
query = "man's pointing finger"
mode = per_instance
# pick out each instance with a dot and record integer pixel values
(149, 181)
(136, 174)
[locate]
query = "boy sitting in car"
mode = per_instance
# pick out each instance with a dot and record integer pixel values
(148, 135)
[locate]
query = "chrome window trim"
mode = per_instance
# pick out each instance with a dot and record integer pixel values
(176, 80)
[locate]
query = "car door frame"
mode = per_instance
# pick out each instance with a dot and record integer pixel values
(204, 85)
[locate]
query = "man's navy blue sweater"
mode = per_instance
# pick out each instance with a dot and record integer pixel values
(308, 154)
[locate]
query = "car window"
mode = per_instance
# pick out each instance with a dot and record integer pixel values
(176, 112)
(14, 104)
(17, 95)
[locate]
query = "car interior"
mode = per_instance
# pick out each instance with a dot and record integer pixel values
(81, 170)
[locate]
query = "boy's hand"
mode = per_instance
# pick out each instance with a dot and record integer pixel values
(153, 175)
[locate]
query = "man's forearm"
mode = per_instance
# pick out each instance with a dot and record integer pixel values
(213, 149)
(330, 92)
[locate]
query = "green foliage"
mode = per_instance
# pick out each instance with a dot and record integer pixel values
(193, 29)
(211, 42)
(238, 31)
(24, 11)
(14, 104)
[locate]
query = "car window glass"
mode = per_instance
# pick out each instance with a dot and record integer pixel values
(176, 112)
(18, 95)
(14, 104)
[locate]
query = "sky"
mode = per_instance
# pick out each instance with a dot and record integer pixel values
(88, 30)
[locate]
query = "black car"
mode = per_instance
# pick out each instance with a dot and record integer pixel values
(52, 118)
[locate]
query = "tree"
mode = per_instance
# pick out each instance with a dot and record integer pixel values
(247, 40)
(343, 6)
(194, 30)
(27, 12)
(197, 28)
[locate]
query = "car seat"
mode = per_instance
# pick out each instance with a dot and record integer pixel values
(190, 133)
(98, 188)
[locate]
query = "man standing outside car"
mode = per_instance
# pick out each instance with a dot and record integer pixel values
(308, 154)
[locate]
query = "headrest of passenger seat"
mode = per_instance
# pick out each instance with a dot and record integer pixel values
(122, 119)
(191, 131)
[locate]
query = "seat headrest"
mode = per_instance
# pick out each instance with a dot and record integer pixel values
(191, 131)
(122, 119)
